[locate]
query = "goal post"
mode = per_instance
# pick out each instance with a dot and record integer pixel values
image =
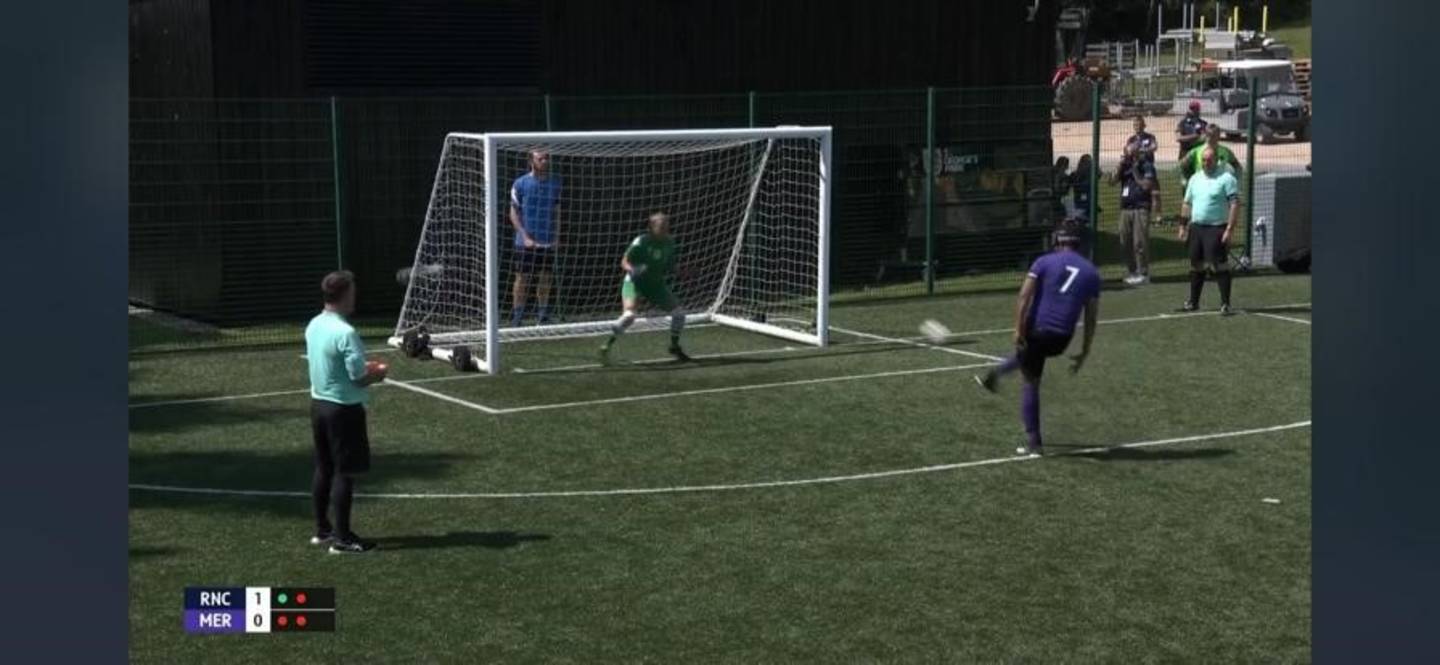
(750, 215)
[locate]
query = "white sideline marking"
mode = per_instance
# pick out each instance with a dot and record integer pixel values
(728, 389)
(901, 340)
(437, 379)
(1281, 318)
(442, 396)
(224, 398)
(736, 486)
(876, 339)
(368, 352)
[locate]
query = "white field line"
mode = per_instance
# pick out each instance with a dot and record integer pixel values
(451, 377)
(875, 339)
(442, 396)
(899, 340)
(729, 389)
(734, 486)
(651, 361)
(223, 398)
(1281, 318)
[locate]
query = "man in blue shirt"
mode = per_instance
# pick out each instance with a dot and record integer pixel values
(1060, 287)
(1139, 195)
(1144, 142)
(1190, 130)
(1207, 224)
(339, 381)
(535, 214)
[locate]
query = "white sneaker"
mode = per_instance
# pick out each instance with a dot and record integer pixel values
(1132, 279)
(1142, 279)
(1025, 450)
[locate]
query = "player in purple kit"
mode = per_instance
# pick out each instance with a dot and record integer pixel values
(1061, 285)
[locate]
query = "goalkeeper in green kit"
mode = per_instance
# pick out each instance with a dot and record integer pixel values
(647, 262)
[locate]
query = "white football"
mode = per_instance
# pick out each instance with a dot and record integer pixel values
(934, 331)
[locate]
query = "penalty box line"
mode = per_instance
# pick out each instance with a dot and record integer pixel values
(767, 484)
(874, 339)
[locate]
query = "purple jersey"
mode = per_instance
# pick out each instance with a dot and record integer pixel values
(1064, 282)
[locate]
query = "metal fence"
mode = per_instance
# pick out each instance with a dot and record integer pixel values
(239, 206)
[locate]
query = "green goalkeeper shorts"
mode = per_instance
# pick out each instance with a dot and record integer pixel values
(657, 295)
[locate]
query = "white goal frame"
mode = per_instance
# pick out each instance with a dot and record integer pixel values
(493, 333)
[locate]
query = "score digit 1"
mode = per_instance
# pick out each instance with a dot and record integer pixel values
(257, 609)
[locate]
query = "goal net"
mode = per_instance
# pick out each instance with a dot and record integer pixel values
(748, 212)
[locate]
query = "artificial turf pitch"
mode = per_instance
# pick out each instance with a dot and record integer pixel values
(750, 539)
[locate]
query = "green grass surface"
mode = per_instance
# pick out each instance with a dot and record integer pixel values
(1151, 554)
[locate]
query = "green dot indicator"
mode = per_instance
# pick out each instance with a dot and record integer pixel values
(282, 598)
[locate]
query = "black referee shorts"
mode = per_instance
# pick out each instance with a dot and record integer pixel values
(1206, 249)
(1041, 345)
(342, 442)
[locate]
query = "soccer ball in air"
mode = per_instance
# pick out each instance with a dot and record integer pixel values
(934, 331)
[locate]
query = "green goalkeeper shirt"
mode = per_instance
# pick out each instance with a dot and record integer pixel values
(658, 257)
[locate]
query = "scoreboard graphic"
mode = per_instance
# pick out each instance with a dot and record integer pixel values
(259, 609)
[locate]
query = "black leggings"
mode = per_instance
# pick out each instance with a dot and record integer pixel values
(329, 487)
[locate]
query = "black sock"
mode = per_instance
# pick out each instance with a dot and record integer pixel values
(1197, 284)
(343, 496)
(674, 340)
(1223, 277)
(320, 495)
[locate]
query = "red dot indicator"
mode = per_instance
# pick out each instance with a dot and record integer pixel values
(300, 598)
(281, 620)
(300, 621)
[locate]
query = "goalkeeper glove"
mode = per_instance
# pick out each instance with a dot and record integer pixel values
(637, 270)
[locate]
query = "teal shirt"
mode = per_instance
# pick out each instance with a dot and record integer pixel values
(1210, 196)
(337, 360)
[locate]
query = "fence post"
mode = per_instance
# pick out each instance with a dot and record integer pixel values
(930, 190)
(1094, 183)
(549, 124)
(335, 175)
(1250, 171)
(751, 102)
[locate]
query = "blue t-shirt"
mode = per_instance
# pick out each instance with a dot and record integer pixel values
(337, 360)
(1064, 282)
(536, 199)
(1209, 197)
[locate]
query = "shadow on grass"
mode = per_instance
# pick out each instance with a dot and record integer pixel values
(1143, 454)
(497, 540)
(1295, 309)
(137, 553)
(285, 472)
(179, 417)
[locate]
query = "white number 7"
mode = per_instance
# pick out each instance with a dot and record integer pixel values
(1071, 280)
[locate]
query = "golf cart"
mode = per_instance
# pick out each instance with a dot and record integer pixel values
(1223, 90)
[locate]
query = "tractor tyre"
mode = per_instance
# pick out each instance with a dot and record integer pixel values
(1072, 98)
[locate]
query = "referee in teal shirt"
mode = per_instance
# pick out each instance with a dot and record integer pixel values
(1207, 224)
(339, 380)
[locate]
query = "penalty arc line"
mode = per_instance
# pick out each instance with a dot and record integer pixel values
(736, 486)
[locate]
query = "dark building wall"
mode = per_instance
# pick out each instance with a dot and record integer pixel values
(287, 48)
(702, 46)
(419, 45)
(170, 49)
(258, 47)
